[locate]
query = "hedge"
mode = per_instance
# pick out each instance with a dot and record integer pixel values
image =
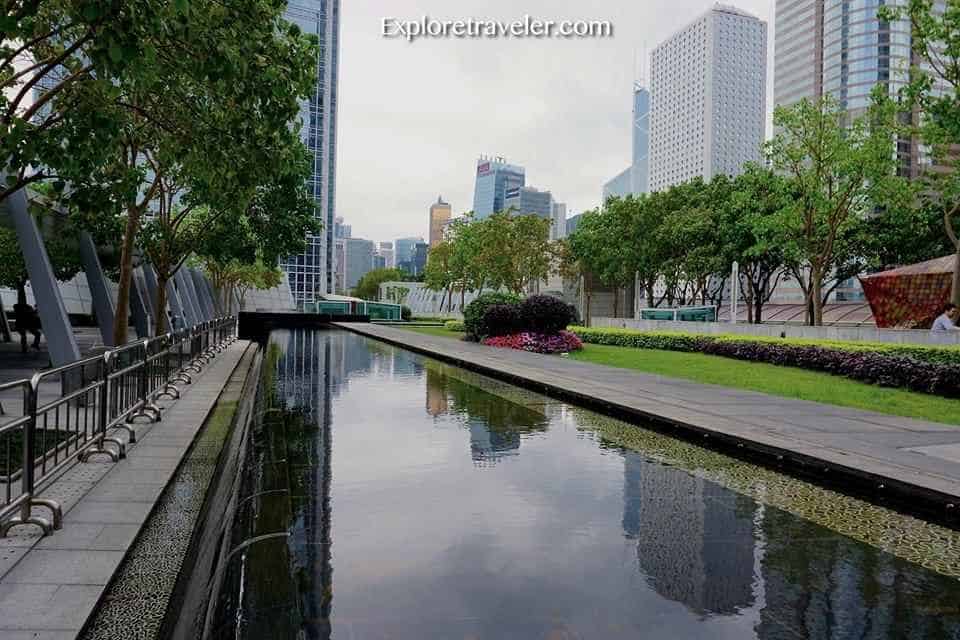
(677, 341)
(934, 370)
(454, 325)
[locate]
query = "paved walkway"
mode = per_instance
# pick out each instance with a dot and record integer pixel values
(49, 586)
(913, 461)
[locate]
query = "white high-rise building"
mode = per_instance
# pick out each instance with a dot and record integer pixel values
(708, 98)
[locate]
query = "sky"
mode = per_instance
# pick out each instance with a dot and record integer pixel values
(414, 117)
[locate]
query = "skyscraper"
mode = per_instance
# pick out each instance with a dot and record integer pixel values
(311, 273)
(559, 228)
(527, 200)
(404, 249)
(494, 178)
(844, 49)
(707, 98)
(389, 258)
(358, 261)
(440, 213)
(341, 229)
(635, 178)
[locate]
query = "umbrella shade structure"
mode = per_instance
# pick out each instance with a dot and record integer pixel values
(910, 297)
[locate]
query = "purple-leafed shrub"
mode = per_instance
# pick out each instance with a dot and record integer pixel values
(545, 314)
(500, 320)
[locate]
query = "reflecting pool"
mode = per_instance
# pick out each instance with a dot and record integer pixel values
(426, 501)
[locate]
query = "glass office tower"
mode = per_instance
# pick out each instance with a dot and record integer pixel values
(311, 273)
(843, 48)
(494, 178)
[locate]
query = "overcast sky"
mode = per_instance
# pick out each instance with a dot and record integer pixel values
(414, 117)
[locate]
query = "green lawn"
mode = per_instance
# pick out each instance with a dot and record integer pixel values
(786, 382)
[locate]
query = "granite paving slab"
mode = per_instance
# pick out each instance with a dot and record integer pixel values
(50, 586)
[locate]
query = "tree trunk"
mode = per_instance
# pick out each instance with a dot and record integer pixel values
(588, 296)
(121, 320)
(22, 292)
(161, 310)
(816, 297)
(955, 290)
(616, 303)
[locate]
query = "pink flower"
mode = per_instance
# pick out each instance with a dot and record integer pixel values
(560, 342)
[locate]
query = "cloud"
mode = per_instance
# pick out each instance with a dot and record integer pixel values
(413, 118)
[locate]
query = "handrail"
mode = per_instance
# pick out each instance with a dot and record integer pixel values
(98, 396)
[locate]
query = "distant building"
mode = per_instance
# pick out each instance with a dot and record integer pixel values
(635, 179)
(440, 213)
(572, 223)
(358, 261)
(527, 200)
(494, 179)
(559, 228)
(419, 262)
(708, 98)
(403, 251)
(339, 265)
(379, 262)
(341, 230)
(389, 258)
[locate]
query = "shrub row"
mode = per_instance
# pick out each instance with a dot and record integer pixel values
(454, 325)
(677, 341)
(885, 368)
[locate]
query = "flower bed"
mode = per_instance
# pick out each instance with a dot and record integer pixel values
(917, 368)
(559, 342)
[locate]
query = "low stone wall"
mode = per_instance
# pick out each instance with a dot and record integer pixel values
(851, 334)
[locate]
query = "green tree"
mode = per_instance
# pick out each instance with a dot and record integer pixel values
(934, 93)
(61, 66)
(210, 112)
(369, 286)
(439, 274)
(839, 173)
(757, 198)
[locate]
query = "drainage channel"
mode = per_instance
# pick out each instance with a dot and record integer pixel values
(147, 586)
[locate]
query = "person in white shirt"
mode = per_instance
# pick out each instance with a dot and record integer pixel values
(946, 321)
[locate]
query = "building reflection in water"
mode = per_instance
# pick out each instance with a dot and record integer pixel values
(495, 425)
(695, 540)
(308, 375)
(720, 553)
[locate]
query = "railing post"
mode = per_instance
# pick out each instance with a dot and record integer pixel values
(103, 416)
(28, 476)
(29, 447)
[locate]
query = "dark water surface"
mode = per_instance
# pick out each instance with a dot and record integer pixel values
(431, 502)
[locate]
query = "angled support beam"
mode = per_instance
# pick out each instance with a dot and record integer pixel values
(186, 296)
(178, 316)
(61, 343)
(203, 294)
(103, 305)
(140, 305)
(4, 324)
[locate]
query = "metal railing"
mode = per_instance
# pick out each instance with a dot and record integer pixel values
(100, 399)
